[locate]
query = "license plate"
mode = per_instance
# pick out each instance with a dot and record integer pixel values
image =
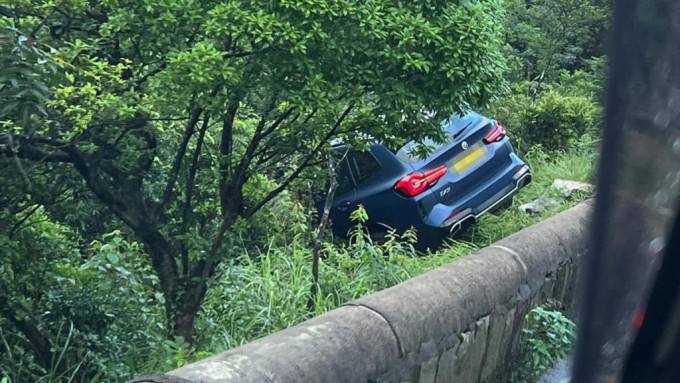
(464, 162)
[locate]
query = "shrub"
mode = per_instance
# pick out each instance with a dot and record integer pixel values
(553, 120)
(557, 121)
(589, 82)
(549, 336)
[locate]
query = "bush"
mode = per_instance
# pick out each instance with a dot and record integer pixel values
(549, 336)
(553, 120)
(95, 303)
(590, 82)
(556, 122)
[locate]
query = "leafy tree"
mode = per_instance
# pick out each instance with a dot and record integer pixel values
(546, 36)
(185, 117)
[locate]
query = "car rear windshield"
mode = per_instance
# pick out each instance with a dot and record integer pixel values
(454, 126)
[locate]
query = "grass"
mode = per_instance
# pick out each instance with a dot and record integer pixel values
(577, 165)
(266, 292)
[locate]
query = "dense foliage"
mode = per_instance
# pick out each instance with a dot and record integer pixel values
(173, 114)
(158, 158)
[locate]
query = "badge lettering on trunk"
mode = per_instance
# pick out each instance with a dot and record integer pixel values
(445, 191)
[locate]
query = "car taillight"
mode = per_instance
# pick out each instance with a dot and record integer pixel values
(496, 134)
(416, 183)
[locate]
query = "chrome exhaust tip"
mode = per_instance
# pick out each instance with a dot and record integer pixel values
(459, 225)
(524, 181)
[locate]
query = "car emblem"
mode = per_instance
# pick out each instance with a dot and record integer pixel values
(464, 145)
(445, 191)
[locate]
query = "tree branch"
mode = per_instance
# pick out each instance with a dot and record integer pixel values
(32, 153)
(302, 166)
(276, 123)
(227, 200)
(30, 326)
(17, 161)
(131, 210)
(267, 147)
(186, 214)
(6, 221)
(139, 82)
(318, 242)
(137, 121)
(177, 164)
(246, 53)
(260, 133)
(22, 220)
(44, 20)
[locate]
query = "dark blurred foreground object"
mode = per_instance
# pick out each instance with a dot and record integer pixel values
(629, 325)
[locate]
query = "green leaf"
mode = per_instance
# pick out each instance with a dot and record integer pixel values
(113, 258)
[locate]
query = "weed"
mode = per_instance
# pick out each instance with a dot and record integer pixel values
(549, 336)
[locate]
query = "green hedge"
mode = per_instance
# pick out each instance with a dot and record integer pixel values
(553, 120)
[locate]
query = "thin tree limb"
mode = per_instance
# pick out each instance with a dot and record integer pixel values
(17, 162)
(28, 325)
(22, 220)
(177, 164)
(186, 214)
(318, 242)
(260, 133)
(43, 21)
(304, 164)
(5, 222)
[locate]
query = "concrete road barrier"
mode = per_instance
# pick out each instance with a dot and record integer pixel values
(459, 323)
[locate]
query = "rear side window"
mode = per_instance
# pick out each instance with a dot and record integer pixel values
(414, 151)
(363, 166)
(345, 180)
(354, 169)
(456, 123)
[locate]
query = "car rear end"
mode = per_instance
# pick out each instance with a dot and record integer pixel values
(472, 173)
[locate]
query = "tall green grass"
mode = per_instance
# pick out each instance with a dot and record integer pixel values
(266, 291)
(262, 293)
(577, 164)
(266, 288)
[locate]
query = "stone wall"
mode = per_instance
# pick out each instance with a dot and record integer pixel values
(459, 323)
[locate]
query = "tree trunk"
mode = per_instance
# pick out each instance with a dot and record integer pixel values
(188, 303)
(32, 329)
(318, 242)
(184, 325)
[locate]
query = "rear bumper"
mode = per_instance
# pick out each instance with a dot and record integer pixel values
(444, 219)
(490, 205)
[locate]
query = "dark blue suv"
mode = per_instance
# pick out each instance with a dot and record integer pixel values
(473, 173)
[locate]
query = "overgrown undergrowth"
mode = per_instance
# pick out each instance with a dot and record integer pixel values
(266, 292)
(263, 290)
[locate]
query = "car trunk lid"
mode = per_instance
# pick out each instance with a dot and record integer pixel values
(469, 160)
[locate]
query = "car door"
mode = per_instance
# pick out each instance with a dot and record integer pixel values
(345, 199)
(354, 171)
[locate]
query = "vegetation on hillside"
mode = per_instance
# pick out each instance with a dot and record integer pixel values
(158, 158)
